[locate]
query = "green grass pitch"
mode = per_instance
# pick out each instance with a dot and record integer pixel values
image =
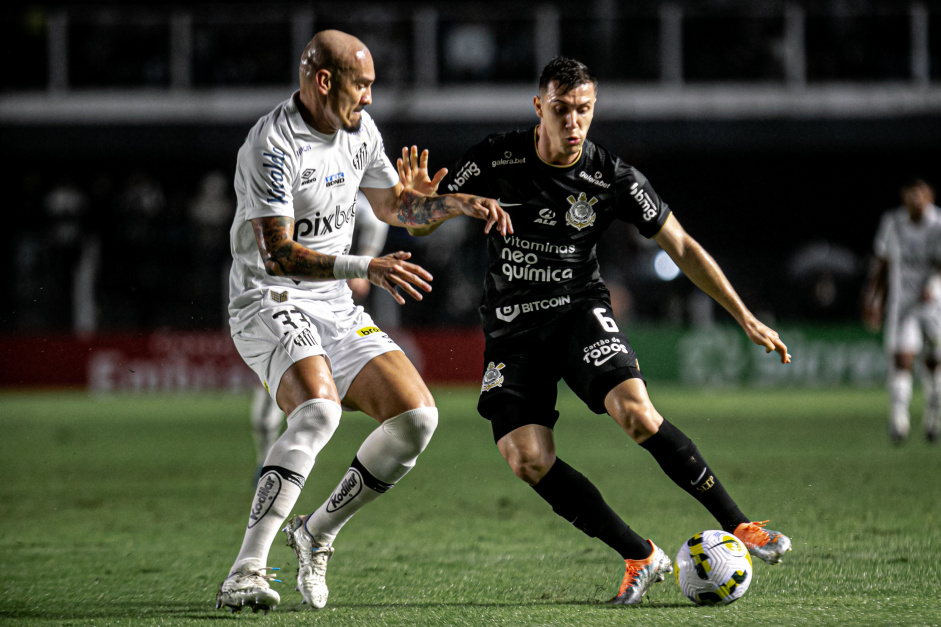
(129, 510)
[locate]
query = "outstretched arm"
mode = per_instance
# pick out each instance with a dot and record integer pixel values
(874, 294)
(412, 203)
(703, 270)
(283, 256)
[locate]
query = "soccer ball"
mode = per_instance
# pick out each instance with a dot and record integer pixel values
(713, 568)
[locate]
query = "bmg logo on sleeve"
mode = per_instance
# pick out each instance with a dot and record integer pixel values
(464, 175)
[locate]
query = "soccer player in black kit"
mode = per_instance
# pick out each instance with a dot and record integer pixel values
(546, 316)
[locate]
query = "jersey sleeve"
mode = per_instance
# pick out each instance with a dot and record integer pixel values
(265, 178)
(468, 176)
(637, 202)
(379, 172)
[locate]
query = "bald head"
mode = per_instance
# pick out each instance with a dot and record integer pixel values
(334, 51)
(337, 74)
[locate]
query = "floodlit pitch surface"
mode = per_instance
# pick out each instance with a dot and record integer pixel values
(129, 510)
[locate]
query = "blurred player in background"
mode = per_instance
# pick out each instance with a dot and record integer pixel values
(267, 418)
(904, 293)
(292, 315)
(547, 316)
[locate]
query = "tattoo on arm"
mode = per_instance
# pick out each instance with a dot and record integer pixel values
(283, 256)
(417, 209)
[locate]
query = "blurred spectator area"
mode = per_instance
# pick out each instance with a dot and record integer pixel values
(778, 130)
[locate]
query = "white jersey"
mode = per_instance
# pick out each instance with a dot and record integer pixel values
(286, 168)
(913, 253)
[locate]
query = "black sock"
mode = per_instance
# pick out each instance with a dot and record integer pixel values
(577, 500)
(682, 462)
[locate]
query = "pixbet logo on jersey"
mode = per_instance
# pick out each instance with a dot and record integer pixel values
(603, 350)
(464, 175)
(321, 225)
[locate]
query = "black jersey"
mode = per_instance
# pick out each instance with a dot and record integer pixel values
(559, 213)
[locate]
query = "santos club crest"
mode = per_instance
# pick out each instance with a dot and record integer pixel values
(580, 213)
(492, 377)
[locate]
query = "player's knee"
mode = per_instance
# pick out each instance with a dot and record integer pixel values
(530, 468)
(315, 419)
(413, 428)
(903, 361)
(639, 419)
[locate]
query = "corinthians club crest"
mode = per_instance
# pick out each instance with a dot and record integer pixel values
(580, 213)
(492, 377)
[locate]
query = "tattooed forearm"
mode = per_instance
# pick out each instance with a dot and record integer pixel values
(418, 210)
(284, 257)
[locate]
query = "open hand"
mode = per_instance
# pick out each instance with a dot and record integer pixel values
(391, 271)
(413, 171)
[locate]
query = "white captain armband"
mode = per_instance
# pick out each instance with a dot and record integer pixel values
(351, 267)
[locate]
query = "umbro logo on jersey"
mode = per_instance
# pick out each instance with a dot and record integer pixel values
(546, 216)
(307, 176)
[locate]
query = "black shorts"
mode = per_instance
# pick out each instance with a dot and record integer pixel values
(582, 346)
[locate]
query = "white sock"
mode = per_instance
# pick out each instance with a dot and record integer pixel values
(290, 460)
(385, 456)
(900, 396)
(267, 419)
(932, 399)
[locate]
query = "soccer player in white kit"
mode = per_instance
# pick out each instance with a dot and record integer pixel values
(294, 322)
(904, 291)
(266, 417)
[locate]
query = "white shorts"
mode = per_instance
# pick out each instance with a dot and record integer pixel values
(283, 333)
(917, 328)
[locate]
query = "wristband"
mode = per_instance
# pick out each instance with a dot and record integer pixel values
(351, 267)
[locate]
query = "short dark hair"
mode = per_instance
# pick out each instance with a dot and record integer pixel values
(568, 73)
(912, 182)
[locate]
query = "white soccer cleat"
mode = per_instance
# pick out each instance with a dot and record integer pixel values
(312, 559)
(768, 546)
(641, 575)
(248, 589)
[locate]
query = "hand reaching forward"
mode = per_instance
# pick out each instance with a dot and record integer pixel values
(413, 172)
(762, 335)
(413, 175)
(391, 271)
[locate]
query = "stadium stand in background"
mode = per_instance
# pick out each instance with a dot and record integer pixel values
(798, 119)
